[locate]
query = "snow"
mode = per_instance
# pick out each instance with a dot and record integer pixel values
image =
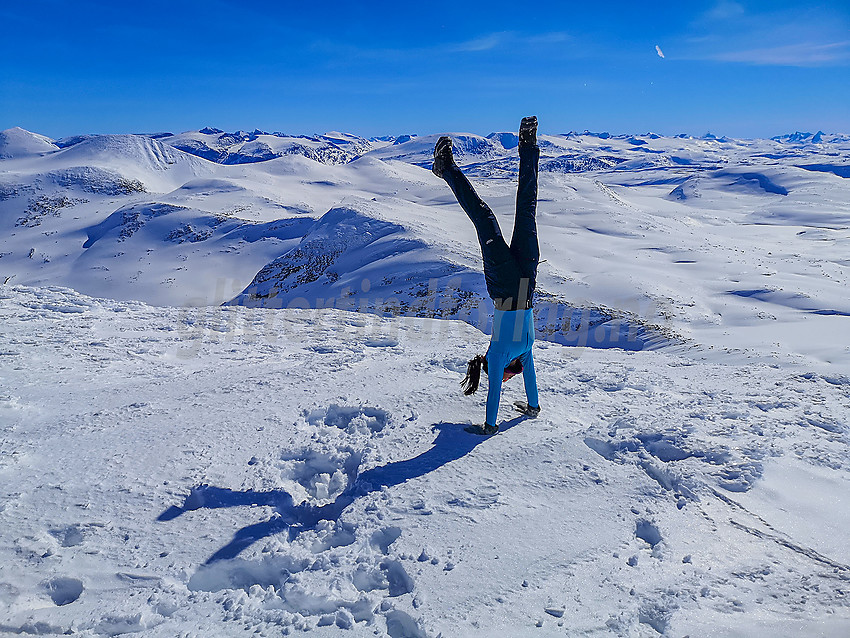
(17, 142)
(242, 147)
(229, 399)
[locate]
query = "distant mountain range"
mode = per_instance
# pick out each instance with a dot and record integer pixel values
(242, 147)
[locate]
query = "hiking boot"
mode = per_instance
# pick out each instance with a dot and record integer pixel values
(527, 410)
(443, 158)
(483, 430)
(528, 131)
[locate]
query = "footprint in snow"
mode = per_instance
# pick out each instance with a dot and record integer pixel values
(383, 538)
(381, 342)
(69, 536)
(316, 476)
(482, 497)
(353, 419)
(648, 532)
(322, 349)
(64, 591)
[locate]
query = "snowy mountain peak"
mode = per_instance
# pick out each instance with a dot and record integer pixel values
(402, 139)
(799, 137)
(137, 149)
(17, 142)
(507, 140)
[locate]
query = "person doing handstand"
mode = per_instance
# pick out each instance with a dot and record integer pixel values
(510, 273)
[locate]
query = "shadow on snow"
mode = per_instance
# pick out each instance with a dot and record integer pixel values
(451, 444)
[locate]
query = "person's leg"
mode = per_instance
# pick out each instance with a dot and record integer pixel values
(500, 269)
(485, 222)
(496, 362)
(524, 244)
(530, 379)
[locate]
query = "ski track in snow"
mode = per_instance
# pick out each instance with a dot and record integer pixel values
(230, 471)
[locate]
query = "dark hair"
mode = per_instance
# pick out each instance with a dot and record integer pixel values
(473, 374)
(515, 366)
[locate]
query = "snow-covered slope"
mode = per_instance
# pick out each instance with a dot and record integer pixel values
(17, 142)
(234, 471)
(725, 245)
(352, 258)
(51, 206)
(276, 443)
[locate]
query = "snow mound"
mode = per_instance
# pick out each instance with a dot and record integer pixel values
(142, 250)
(200, 148)
(139, 150)
(645, 162)
(578, 163)
(210, 186)
(750, 180)
(473, 145)
(689, 189)
(126, 221)
(253, 151)
(352, 144)
(419, 150)
(172, 223)
(17, 142)
(345, 253)
(352, 260)
(158, 166)
(266, 149)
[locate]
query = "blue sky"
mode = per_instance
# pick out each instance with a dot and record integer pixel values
(740, 68)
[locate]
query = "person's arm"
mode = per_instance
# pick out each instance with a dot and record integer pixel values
(496, 364)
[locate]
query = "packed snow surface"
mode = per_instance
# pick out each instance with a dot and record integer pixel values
(229, 399)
